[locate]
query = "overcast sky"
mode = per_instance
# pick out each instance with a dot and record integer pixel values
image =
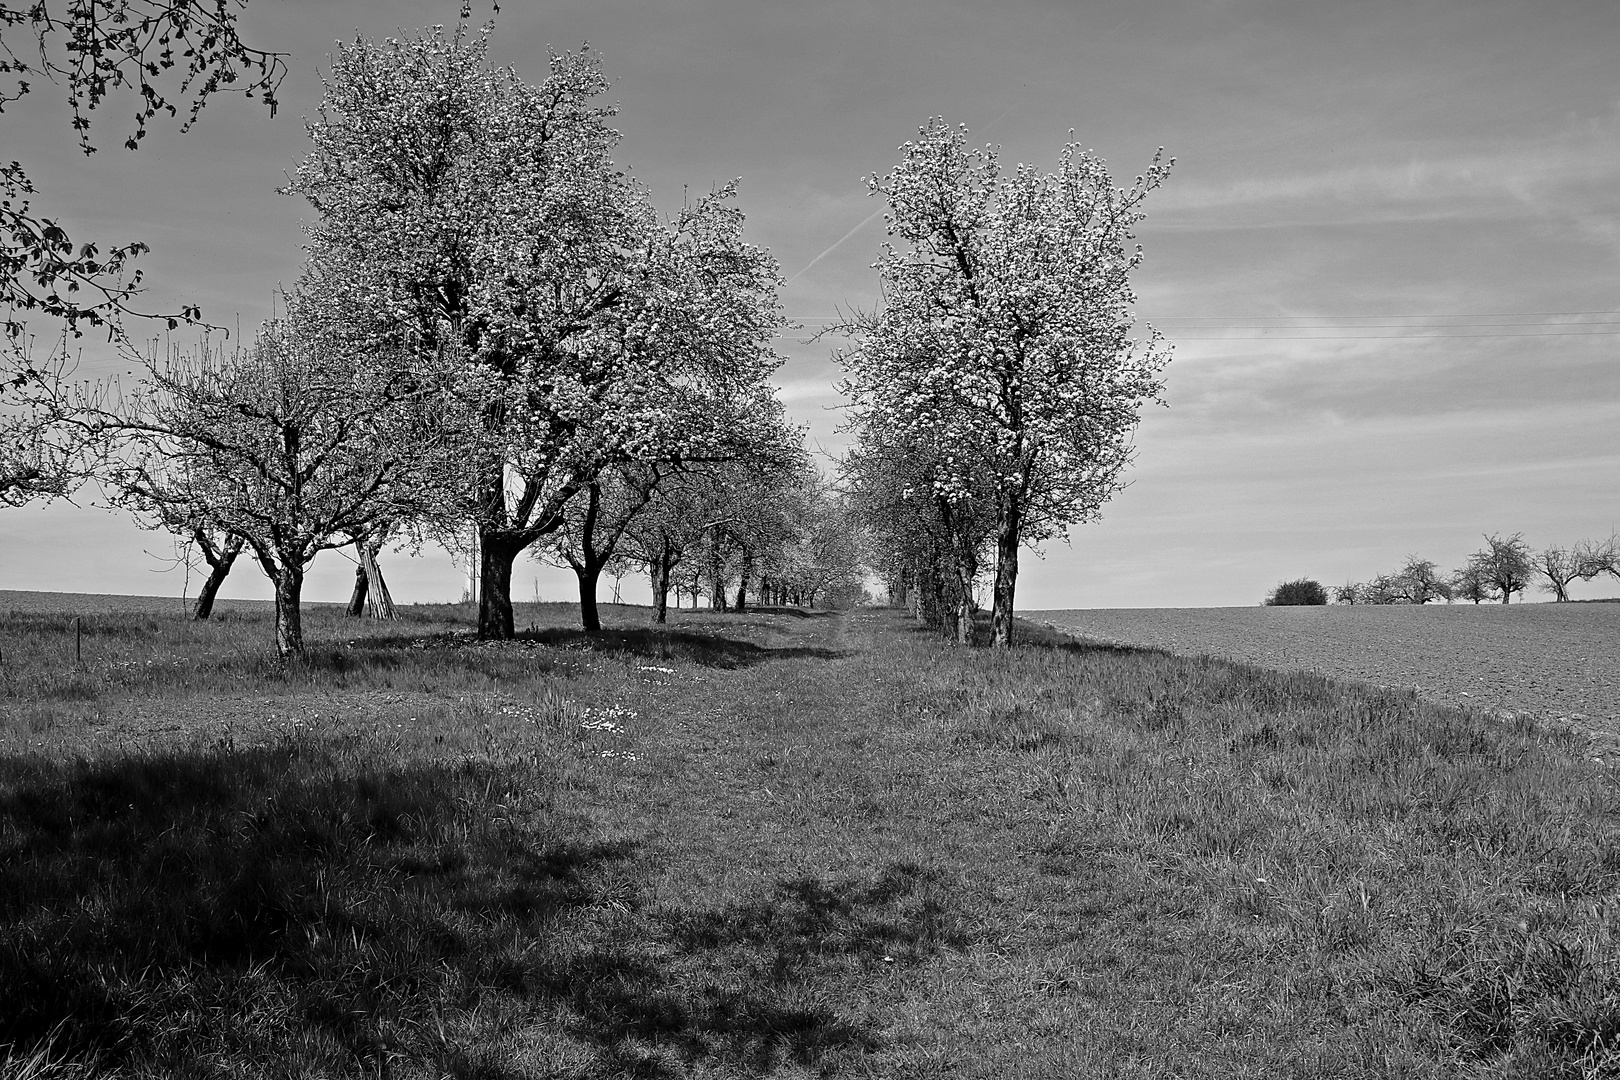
(1388, 256)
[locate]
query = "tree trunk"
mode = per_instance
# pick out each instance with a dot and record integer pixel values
(661, 566)
(717, 579)
(289, 583)
(219, 565)
(743, 574)
(589, 618)
(1007, 542)
(496, 554)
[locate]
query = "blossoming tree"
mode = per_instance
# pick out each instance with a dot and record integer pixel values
(463, 209)
(1005, 335)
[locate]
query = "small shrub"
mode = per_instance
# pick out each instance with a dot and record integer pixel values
(1292, 593)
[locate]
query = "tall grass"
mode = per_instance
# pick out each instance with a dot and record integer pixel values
(792, 846)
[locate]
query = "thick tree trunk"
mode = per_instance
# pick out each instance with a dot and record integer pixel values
(589, 618)
(658, 580)
(662, 564)
(496, 553)
(1007, 543)
(219, 566)
(289, 583)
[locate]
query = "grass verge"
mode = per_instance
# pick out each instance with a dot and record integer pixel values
(786, 846)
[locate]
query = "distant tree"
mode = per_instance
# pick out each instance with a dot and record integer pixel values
(1297, 593)
(664, 537)
(1419, 581)
(1562, 566)
(926, 532)
(1507, 564)
(1384, 589)
(1601, 556)
(1470, 582)
(1351, 592)
(596, 524)
(825, 560)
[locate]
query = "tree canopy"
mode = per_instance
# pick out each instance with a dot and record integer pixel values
(1004, 337)
(461, 208)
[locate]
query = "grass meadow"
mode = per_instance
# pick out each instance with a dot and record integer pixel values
(779, 844)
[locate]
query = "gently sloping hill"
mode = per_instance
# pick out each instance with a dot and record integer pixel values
(870, 855)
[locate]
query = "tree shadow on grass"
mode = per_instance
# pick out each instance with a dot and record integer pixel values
(291, 910)
(747, 981)
(263, 903)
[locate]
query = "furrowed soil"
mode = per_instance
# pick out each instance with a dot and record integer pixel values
(1548, 661)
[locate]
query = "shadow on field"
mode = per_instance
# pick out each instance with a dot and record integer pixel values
(283, 908)
(741, 989)
(263, 889)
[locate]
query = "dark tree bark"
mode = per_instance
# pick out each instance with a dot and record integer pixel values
(1008, 537)
(717, 576)
(289, 614)
(497, 551)
(588, 565)
(663, 564)
(287, 575)
(219, 561)
(589, 618)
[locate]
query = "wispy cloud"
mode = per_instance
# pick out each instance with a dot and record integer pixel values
(1535, 176)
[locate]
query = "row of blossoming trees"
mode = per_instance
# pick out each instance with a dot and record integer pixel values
(996, 387)
(495, 333)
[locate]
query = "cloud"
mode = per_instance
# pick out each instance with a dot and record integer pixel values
(1537, 176)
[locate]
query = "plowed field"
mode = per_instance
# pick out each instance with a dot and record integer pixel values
(1547, 660)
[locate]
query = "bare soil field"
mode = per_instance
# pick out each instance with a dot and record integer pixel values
(1551, 661)
(71, 604)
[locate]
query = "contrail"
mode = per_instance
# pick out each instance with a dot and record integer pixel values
(873, 216)
(879, 211)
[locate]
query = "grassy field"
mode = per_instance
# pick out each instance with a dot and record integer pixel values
(779, 844)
